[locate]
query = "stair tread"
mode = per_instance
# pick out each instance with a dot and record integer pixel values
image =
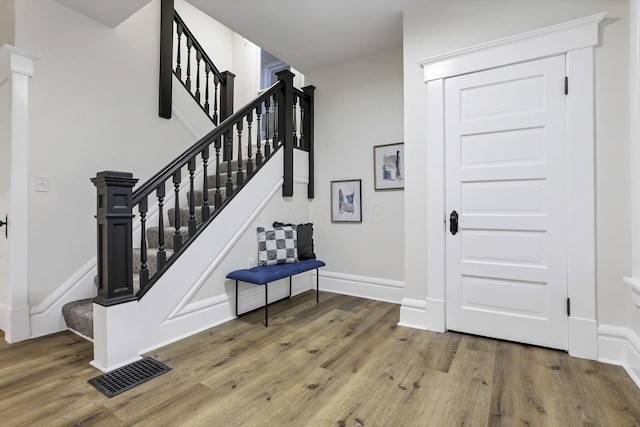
(78, 315)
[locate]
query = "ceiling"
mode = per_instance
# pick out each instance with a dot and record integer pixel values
(313, 34)
(111, 12)
(307, 34)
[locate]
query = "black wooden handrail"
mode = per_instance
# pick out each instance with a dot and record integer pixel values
(223, 176)
(198, 47)
(167, 172)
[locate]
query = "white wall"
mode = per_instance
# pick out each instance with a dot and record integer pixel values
(359, 105)
(7, 22)
(440, 26)
(246, 66)
(94, 107)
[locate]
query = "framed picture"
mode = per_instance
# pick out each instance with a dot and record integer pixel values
(346, 201)
(388, 166)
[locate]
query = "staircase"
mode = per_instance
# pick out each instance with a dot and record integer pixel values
(143, 234)
(78, 315)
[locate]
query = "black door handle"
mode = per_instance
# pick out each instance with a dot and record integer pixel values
(453, 222)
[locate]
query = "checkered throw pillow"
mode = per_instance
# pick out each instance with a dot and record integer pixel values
(277, 245)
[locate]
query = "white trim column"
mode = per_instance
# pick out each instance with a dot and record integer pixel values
(634, 148)
(17, 66)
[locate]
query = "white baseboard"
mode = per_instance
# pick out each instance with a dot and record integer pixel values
(46, 317)
(425, 314)
(16, 323)
(620, 346)
(4, 317)
(361, 286)
(583, 338)
(413, 313)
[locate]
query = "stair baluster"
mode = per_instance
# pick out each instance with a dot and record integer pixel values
(267, 109)
(205, 185)
(178, 54)
(295, 120)
(249, 158)
(258, 136)
(198, 59)
(162, 255)
(229, 145)
(188, 81)
(207, 70)
(143, 208)
(216, 83)
(177, 237)
(192, 199)
(239, 173)
(218, 196)
(302, 113)
(274, 138)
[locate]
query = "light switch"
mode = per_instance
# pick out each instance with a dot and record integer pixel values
(42, 184)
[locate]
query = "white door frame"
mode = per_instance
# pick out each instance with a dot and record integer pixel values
(576, 39)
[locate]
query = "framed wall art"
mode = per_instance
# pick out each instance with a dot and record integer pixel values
(388, 166)
(346, 201)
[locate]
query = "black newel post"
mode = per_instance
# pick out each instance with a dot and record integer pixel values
(115, 254)
(308, 132)
(285, 128)
(166, 58)
(226, 108)
(226, 95)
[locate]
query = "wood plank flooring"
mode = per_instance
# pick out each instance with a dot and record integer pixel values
(344, 362)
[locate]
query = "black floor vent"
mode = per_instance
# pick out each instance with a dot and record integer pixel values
(127, 377)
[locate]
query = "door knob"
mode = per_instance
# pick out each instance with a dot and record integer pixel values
(453, 222)
(6, 224)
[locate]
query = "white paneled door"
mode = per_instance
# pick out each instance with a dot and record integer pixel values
(505, 148)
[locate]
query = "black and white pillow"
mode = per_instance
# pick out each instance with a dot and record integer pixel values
(305, 239)
(277, 245)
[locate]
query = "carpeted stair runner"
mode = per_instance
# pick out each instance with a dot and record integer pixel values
(78, 315)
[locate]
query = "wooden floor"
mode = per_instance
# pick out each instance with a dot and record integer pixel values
(341, 363)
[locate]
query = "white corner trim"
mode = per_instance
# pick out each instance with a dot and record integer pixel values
(558, 39)
(634, 285)
(178, 310)
(620, 346)
(362, 286)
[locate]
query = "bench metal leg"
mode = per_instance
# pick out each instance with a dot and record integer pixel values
(317, 287)
(266, 297)
(266, 305)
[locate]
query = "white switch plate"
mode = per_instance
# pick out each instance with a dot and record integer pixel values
(42, 184)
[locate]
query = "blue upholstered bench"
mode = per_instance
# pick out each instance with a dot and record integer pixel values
(263, 275)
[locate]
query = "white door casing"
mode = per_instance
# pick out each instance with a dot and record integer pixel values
(576, 39)
(505, 151)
